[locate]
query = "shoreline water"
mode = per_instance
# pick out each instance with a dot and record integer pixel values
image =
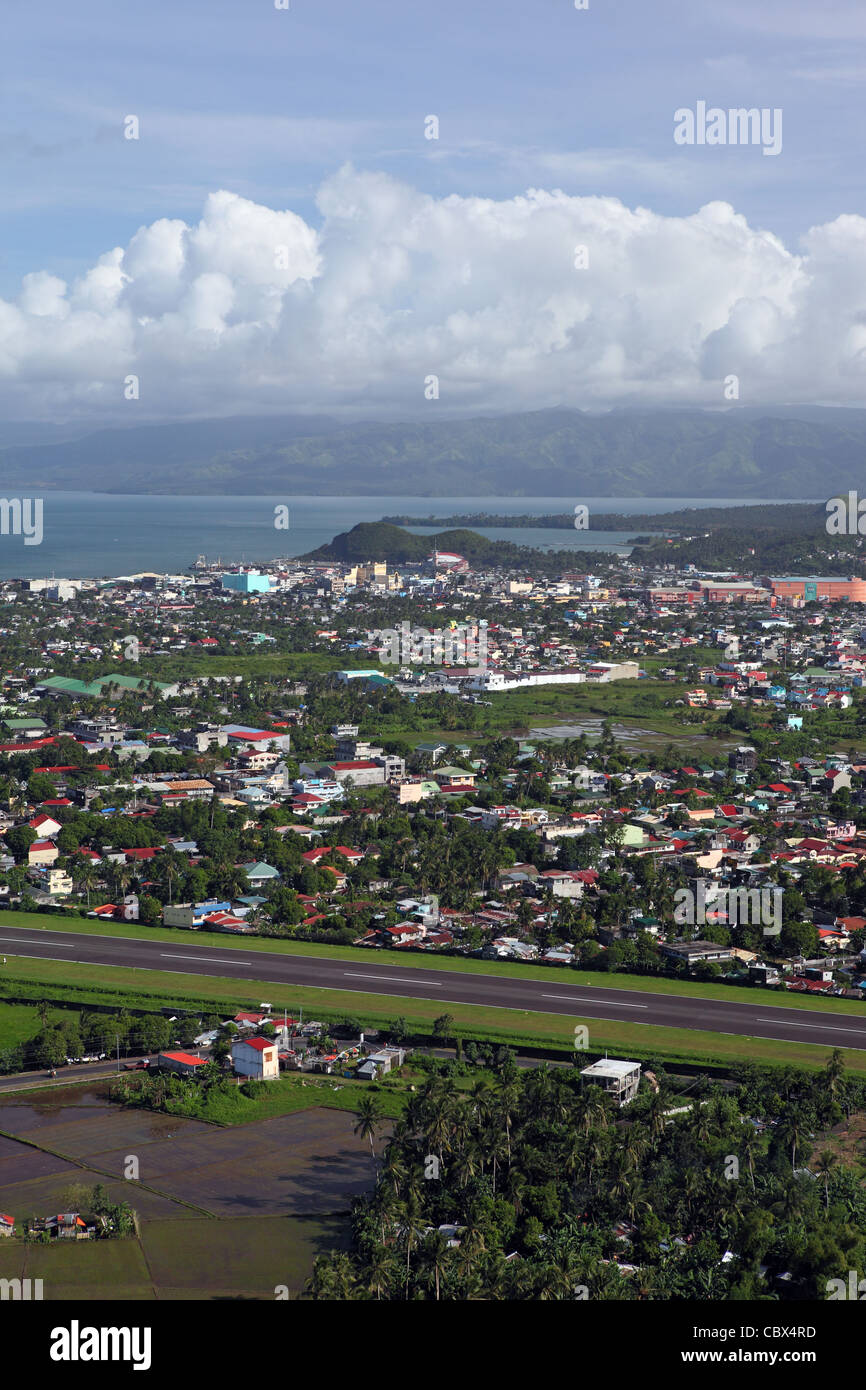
(90, 535)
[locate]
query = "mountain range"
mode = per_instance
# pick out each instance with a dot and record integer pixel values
(737, 453)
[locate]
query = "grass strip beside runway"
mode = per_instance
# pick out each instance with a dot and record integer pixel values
(123, 986)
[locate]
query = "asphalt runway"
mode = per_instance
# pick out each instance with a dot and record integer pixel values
(366, 972)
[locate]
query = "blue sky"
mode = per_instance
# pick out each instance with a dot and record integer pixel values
(235, 95)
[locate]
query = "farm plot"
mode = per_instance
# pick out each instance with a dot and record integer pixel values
(247, 1257)
(76, 1270)
(309, 1162)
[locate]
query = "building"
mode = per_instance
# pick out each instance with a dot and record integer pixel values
(58, 882)
(613, 671)
(731, 591)
(182, 1063)
(42, 852)
(743, 759)
(257, 1057)
(807, 588)
(694, 952)
(258, 873)
(191, 915)
(69, 1225)
(247, 582)
(364, 772)
(619, 1079)
(380, 1063)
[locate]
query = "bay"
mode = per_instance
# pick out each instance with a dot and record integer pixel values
(96, 535)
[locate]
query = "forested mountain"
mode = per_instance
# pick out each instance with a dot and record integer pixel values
(553, 453)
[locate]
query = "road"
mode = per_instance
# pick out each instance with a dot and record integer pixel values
(38, 1078)
(560, 994)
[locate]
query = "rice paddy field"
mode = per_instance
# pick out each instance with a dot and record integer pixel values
(222, 1213)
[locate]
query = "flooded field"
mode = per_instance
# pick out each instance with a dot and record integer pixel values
(223, 1212)
(591, 728)
(634, 736)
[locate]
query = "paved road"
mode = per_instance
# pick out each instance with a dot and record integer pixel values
(38, 1079)
(560, 994)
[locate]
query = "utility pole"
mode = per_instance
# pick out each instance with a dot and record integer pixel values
(117, 1043)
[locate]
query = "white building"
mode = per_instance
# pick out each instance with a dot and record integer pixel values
(619, 1079)
(256, 1057)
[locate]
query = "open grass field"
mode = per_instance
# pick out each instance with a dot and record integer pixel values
(81, 1269)
(238, 1258)
(20, 1022)
(245, 1257)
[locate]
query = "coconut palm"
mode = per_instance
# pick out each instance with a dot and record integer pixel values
(85, 877)
(369, 1118)
(827, 1161)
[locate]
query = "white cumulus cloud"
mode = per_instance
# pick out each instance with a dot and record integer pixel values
(254, 309)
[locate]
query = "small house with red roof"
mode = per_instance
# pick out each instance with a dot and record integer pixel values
(42, 852)
(182, 1063)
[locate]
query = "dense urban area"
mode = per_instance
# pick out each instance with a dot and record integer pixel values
(584, 768)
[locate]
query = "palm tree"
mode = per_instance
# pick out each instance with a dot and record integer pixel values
(167, 868)
(437, 1251)
(792, 1132)
(413, 1227)
(369, 1116)
(333, 1277)
(380, 1272)
(750, 1146)
(494, 1144)
(85, 877)
(834, 1071)
(508, 1096)
(827, 1161)
(393, 1167)
(120, 876)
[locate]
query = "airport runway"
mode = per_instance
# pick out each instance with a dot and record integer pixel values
(562, 993)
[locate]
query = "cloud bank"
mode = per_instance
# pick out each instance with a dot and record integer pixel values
(253, 309)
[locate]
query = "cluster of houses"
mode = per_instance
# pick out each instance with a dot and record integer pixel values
(792, 648)
(290, 1045)
(65, 1225)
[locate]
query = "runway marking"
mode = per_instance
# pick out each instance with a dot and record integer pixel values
(16, 941)
(204, 960)
(19, 955)
(822, 1027)
(395, 979)
(599, 1003)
